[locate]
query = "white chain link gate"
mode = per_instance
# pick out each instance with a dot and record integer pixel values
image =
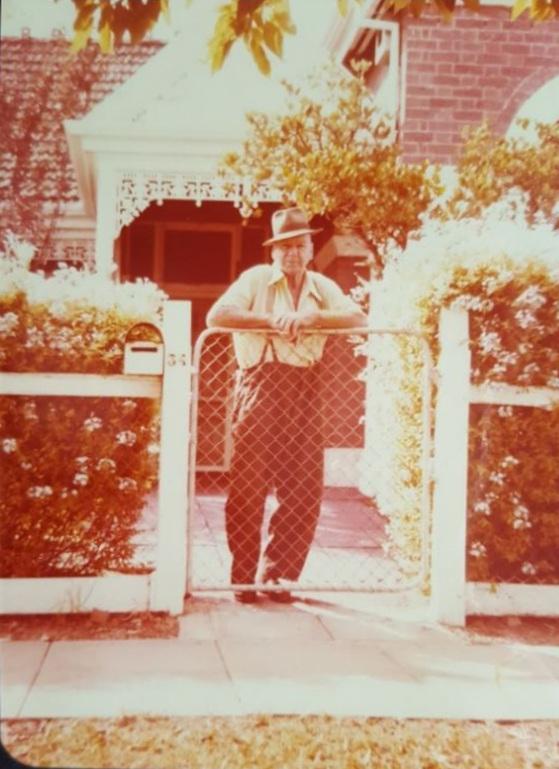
(350, 547)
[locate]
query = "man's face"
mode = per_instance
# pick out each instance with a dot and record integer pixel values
(293, 255)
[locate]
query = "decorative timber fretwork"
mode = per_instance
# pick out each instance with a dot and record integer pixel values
(75, 250)
(137, 189)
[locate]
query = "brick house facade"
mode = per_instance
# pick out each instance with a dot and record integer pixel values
(477, 67)
(452, 75)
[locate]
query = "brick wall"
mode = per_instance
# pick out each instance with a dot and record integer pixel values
(478, 66)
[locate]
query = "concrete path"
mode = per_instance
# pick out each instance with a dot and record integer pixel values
(335, 654)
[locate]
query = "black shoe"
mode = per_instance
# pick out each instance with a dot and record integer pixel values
(246, 596)
(278, 596)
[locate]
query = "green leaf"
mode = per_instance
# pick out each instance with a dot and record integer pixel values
(106, 39)
(342, 7)
(273, 37)
(285, 22)
(416, 7)
(84, 18)
(165, 11)
(79, 41)
(217, 51)
(445, 8)
(519, 7)
(259, 56)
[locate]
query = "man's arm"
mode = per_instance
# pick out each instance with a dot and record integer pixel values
(335, 319)
(229, 316)
(291, 323)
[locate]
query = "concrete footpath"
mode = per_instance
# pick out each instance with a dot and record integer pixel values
(340, 655)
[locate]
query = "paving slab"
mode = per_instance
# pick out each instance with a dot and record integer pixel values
(20, 662)
(110, 678)
(344, 655)
(457, 660)
(321, 677)
(268, 621)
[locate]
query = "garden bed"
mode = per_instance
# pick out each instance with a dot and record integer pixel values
(271, 742)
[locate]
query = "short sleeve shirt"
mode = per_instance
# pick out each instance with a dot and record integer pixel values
(264, 289)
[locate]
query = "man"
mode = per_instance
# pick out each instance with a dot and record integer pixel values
(277, 435)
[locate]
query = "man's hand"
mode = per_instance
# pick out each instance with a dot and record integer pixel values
(290, 323)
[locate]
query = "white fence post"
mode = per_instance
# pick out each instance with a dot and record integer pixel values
(169, 578)
(448, 571)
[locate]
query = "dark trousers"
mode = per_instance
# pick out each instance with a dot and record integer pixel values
(277, 442)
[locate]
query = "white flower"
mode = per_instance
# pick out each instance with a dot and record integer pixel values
(127, 484)
(476, 303)
(8, 323)
(39, 492)
(30, 410)
(9, 445)
(508, 358)
(26, 465)
(106, 464)
(129, 405)
(126, 438)
(531, 297)
(498, 478)
(509, 461)
(525, 318)
(35, 338)
(482, 507)
(504, 411)
(153, 448)
(489, 341)
(92, 423)
(498, 368)
(521, 516)
(528, 568)
(478, 549)
(81, 461)
(81, 479)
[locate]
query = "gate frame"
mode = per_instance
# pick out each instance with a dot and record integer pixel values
(163, 588)
(428, 375)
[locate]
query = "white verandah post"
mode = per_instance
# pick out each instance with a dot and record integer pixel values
(106, 220)
(448, 569)
(169, 579)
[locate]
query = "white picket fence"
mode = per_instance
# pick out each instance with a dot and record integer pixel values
(163, 588)
(454, 597)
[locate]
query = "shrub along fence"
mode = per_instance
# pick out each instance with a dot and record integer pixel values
(503, 527)
(456, 591)
(80, 454)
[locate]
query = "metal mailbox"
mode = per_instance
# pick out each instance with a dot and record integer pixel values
(142, 356)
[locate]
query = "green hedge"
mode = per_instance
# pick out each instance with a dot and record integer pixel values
(75, 470)
(507, 275)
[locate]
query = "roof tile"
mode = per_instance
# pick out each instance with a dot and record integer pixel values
(41, 85)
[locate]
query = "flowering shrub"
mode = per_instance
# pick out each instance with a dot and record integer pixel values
(75, 470)
(333, 153)
(507, 275)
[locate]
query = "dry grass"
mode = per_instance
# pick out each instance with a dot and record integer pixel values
(87, 626)
(282, 742)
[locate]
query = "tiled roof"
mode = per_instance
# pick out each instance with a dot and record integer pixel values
(42, 84)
